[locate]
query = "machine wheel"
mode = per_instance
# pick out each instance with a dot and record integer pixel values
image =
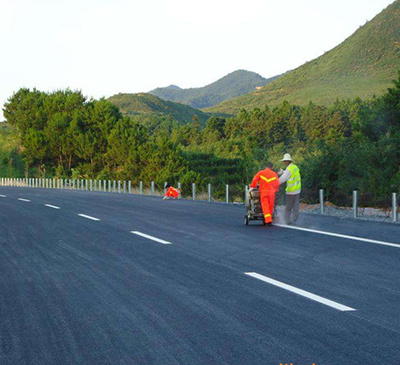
(246, 220)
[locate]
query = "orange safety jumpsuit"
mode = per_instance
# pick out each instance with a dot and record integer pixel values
(269, 185)
(172, 193)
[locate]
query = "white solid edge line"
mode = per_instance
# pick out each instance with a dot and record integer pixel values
(89, 217)
(52, 206)
(24, 200)
(3, 196)
(355, 238)
(151, 238)
(301, 292)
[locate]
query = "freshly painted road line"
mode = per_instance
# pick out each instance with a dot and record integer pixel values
(89, 217)
(301, 292)
(24, 200)
(355, 238)
(52, 206)
(151, 238)
(3, 196)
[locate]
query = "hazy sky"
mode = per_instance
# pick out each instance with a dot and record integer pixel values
(103, 47)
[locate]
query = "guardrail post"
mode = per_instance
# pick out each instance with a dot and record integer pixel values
(355, 203)
(152, 188)
(209, 192)
(95, 185)
(109, 186)
(130, 187)
(246, 194)
(321, 200)
(141, 187)
(165, 187)
(124, 187)
(180, 192)
(227, 194)
(114, 186)
(394, 207)
(119, 186)
(194, 191)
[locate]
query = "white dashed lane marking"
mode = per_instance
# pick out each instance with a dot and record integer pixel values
(89, 217)
(301, 292)
(52, 206)
(24, 200)
(151, 238)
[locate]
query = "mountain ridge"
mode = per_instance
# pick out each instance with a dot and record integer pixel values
(234, 84)
(363, 65)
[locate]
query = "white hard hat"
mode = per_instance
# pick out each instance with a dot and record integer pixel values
(286, 157)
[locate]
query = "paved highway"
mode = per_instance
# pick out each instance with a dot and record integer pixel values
(99, 278)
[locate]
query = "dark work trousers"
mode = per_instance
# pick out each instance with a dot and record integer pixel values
(292, 208)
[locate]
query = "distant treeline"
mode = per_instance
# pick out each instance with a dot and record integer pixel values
(352, 144)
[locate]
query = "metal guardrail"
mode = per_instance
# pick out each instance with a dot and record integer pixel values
(113, 186)
(127, 188)
(355, 205)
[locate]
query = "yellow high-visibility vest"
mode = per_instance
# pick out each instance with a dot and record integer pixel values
(294, 182)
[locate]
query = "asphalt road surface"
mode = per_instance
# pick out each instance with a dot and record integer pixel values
(100, 278)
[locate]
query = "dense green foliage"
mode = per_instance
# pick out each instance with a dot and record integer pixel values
(362, 66)
(151, 107)
(237, 83)
(11, 163)
(352, 144)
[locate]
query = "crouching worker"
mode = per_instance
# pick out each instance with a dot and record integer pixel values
(269, 184)
(171, 192)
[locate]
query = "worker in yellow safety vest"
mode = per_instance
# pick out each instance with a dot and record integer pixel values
(291, 175)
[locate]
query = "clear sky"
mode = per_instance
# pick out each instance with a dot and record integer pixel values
(103, 47)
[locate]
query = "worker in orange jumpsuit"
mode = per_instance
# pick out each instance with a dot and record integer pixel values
(171, 192)
(269, 184)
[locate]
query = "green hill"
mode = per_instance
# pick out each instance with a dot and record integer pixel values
(362, 66)
(237, 83)
(148, 105)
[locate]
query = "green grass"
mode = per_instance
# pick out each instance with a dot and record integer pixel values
(363, 65)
